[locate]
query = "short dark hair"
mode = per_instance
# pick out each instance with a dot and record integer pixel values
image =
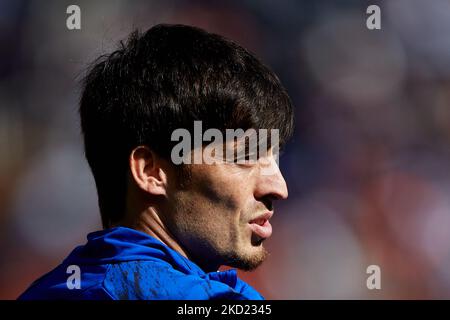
(164, 79)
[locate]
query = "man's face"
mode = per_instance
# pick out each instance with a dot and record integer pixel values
(213, 216)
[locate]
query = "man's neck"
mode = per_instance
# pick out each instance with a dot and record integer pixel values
(150, 223)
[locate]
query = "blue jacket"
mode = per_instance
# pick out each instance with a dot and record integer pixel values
(122, 263)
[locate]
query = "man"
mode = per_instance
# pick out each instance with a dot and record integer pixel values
(169, 227)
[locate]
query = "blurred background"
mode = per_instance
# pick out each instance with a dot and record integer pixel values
(367, 169)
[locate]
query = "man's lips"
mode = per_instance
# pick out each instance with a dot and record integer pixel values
(261, 225)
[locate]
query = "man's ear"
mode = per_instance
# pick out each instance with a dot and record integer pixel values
(146, 170)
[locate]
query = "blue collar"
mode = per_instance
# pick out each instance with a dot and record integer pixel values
(122, 244)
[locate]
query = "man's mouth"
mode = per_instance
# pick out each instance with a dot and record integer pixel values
(261, 225)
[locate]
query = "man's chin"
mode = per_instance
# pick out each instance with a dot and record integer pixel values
(249, 262)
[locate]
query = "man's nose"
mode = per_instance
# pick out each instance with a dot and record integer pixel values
(271, 182)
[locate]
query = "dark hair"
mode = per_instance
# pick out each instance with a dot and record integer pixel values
(165, 79)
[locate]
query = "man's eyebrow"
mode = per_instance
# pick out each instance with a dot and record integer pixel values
(237, 146)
